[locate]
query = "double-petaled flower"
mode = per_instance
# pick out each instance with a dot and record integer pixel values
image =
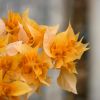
(12, 25)
(34, 68)
(10, 85)
(64, 48)
(34, 31)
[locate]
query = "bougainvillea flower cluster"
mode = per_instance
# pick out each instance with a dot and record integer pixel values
(29, 50)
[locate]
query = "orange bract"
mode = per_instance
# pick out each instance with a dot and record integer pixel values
(34, 70)
(64, 48)
(12, 88)
(34, 31)
(12, 22)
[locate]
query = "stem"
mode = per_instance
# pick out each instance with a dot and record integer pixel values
(25, 97)
(14, 98)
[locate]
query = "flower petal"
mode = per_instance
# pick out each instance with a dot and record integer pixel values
(2, 27)
(70, 33)
(33, 30)
(27, 20)
(4, 40)
(12, 48)
(19, 88)
(67, 81)
(48, 38)
(22, 36)
(36, 35)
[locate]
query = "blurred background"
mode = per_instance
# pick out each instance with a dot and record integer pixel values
(84, 16)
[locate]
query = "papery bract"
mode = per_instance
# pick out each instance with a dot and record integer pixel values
(64, 48)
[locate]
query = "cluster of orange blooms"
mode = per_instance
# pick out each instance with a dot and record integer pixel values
(29, 50)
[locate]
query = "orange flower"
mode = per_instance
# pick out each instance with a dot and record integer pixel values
(12, 22)
(9, 67)
(14, 88)
(34, 68)
(11, 80)
(12, 25)
(34, 31)
(64, 48)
